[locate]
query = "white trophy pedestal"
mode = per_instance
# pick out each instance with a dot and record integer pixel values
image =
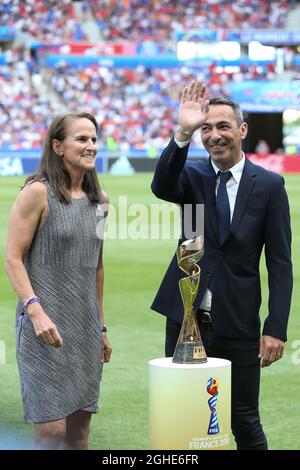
(179, 412)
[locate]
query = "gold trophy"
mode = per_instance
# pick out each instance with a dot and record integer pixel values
(189, 348)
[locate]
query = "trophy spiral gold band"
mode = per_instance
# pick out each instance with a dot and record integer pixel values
(189, 348)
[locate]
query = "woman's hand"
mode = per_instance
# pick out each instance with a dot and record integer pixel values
(43, 326)
(106, 348)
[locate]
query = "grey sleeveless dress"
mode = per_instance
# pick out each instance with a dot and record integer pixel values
(61, 265)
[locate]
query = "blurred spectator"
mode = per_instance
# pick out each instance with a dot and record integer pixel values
(262, 147)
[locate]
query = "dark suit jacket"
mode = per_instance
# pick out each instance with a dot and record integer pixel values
(261, 220)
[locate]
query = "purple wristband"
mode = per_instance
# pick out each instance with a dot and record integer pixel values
(30, 301)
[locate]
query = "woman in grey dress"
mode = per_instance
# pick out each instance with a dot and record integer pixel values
(54, 261)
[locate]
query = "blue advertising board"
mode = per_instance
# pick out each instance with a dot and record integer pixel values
(21, 162)
(266, 96)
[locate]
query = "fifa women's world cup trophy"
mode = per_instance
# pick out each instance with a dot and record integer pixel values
(189, 348)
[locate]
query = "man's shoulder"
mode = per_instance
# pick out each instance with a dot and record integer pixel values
(264, 173)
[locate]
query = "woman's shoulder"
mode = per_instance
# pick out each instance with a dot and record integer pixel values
(36, 183)
(35, 188)
(34, 192)
(32, 199)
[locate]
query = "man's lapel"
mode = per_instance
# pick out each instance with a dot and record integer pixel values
(209, 196)
(245, 187)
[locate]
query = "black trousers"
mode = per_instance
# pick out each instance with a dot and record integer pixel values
(245, 373)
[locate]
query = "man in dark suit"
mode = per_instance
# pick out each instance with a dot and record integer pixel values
(245, 210)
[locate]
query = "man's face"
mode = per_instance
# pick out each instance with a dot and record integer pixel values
(222, 137)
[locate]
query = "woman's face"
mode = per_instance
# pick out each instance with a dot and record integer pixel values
(78, 149)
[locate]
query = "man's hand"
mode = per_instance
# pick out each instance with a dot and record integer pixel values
(270, 350)
(193, 107)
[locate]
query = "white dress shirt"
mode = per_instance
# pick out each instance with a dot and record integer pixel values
(232, 186)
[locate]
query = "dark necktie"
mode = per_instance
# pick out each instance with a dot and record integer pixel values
(223, 208)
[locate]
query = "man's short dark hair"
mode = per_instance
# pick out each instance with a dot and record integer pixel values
(235, 107)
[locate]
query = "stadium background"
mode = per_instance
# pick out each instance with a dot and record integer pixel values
(126, 62)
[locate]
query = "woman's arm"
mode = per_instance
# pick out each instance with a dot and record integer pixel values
(106, 350)
(27, 214)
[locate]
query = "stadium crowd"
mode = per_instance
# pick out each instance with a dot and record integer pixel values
(159, 20)
(134, 107)
(140, 20)
(42, 20)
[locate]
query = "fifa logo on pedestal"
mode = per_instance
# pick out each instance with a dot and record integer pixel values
(212, 389)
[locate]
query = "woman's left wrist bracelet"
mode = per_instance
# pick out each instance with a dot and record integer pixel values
(29, 301)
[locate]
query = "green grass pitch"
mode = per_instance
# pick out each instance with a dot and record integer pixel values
(133, 271)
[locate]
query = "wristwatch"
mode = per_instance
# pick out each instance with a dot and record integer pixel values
(104, 329)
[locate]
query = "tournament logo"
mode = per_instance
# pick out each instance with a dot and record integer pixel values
(212, 389)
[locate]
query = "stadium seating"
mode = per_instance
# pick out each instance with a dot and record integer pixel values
(135, 107)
